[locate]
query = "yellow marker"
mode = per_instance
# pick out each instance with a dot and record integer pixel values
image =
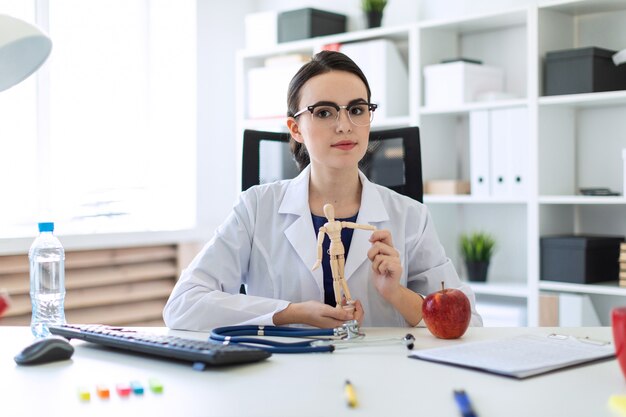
(350, 394)
(84, 394)
(618, 403)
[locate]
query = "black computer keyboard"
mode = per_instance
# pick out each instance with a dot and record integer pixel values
(199, 352)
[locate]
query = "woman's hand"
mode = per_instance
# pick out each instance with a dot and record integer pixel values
(386, 264)
(387, 273)
(315, 313)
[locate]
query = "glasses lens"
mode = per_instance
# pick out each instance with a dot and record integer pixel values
(360, 114)
(325, 114)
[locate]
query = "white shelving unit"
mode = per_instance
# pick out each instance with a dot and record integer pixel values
(574, 140)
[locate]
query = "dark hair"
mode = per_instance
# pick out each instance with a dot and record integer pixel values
(321, 63)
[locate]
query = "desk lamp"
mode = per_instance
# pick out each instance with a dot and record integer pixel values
(23, 48)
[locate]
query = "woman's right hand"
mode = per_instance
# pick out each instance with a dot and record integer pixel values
(315, 313)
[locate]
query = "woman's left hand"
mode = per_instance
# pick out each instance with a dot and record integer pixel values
(385, 263)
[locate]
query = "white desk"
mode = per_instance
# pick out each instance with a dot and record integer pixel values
(387, 383)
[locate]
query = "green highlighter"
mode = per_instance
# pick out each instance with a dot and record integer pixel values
(155, 386)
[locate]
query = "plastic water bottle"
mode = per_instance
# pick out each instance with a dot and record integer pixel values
(47, 281)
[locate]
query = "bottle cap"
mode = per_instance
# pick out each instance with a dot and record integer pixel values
(46, 227)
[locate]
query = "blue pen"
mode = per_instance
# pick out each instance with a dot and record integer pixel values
(465, 406)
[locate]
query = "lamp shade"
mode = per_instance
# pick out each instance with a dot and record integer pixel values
(23, 48)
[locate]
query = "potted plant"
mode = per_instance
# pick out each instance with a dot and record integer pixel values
(476, 250)
(374, 11)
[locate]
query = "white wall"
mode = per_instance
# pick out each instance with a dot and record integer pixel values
(220, 35)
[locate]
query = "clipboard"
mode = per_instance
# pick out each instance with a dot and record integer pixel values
(521, 356)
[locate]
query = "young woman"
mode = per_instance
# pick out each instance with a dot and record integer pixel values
(269, 241)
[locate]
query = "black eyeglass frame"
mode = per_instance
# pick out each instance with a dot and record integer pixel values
(370, 107)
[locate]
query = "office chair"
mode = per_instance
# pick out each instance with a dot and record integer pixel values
(393, 159)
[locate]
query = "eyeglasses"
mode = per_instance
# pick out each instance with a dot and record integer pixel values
(327, 113)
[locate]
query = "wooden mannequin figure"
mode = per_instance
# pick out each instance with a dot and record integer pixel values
(337, 253)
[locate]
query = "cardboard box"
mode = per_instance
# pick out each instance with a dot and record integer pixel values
(307, 23)
(580, 259)
(447, 187)
(583, 70)
(456, 83)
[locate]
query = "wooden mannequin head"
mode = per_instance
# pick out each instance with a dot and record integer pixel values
(329, 212)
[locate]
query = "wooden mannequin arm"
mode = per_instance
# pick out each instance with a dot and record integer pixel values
(352, 225)
(320, 241)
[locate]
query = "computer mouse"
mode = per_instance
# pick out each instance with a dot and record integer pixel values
(44, 350)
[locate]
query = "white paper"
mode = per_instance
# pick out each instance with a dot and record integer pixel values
(520, 356)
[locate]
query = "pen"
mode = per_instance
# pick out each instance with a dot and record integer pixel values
(465, 406)
(350, 394)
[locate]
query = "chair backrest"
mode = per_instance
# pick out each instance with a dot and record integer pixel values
(393, 159)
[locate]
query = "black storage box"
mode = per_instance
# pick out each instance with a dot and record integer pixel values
(307, 23)
(580, 259)
(583, 70)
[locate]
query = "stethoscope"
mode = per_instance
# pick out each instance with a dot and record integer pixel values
(345, 336)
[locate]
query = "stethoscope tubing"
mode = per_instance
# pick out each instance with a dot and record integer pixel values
(234, 334)
(269, 331)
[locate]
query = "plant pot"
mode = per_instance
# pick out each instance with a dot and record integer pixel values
(477, 270)
(374, 19)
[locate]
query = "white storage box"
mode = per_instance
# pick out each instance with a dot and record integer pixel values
(456, 83)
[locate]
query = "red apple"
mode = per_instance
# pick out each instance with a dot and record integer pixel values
(447, 313)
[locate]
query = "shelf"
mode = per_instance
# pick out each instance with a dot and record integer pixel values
(583, 7)
(479, 23)
(569, 136)
(469, 199)
(500, 289)
(466, 108)
(588, 100)
(603, 288)
(581, 200)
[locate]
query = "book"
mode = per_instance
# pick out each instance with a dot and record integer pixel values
(520, 356)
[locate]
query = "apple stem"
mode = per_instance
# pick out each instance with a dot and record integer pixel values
(442, 286)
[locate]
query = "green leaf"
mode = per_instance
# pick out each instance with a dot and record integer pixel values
(477, 246)
(373, 5)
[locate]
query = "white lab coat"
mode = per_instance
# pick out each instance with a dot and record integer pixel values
(268, 242)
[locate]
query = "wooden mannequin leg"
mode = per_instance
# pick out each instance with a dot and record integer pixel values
(342, 277)
(334, 268)
(341, 262)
